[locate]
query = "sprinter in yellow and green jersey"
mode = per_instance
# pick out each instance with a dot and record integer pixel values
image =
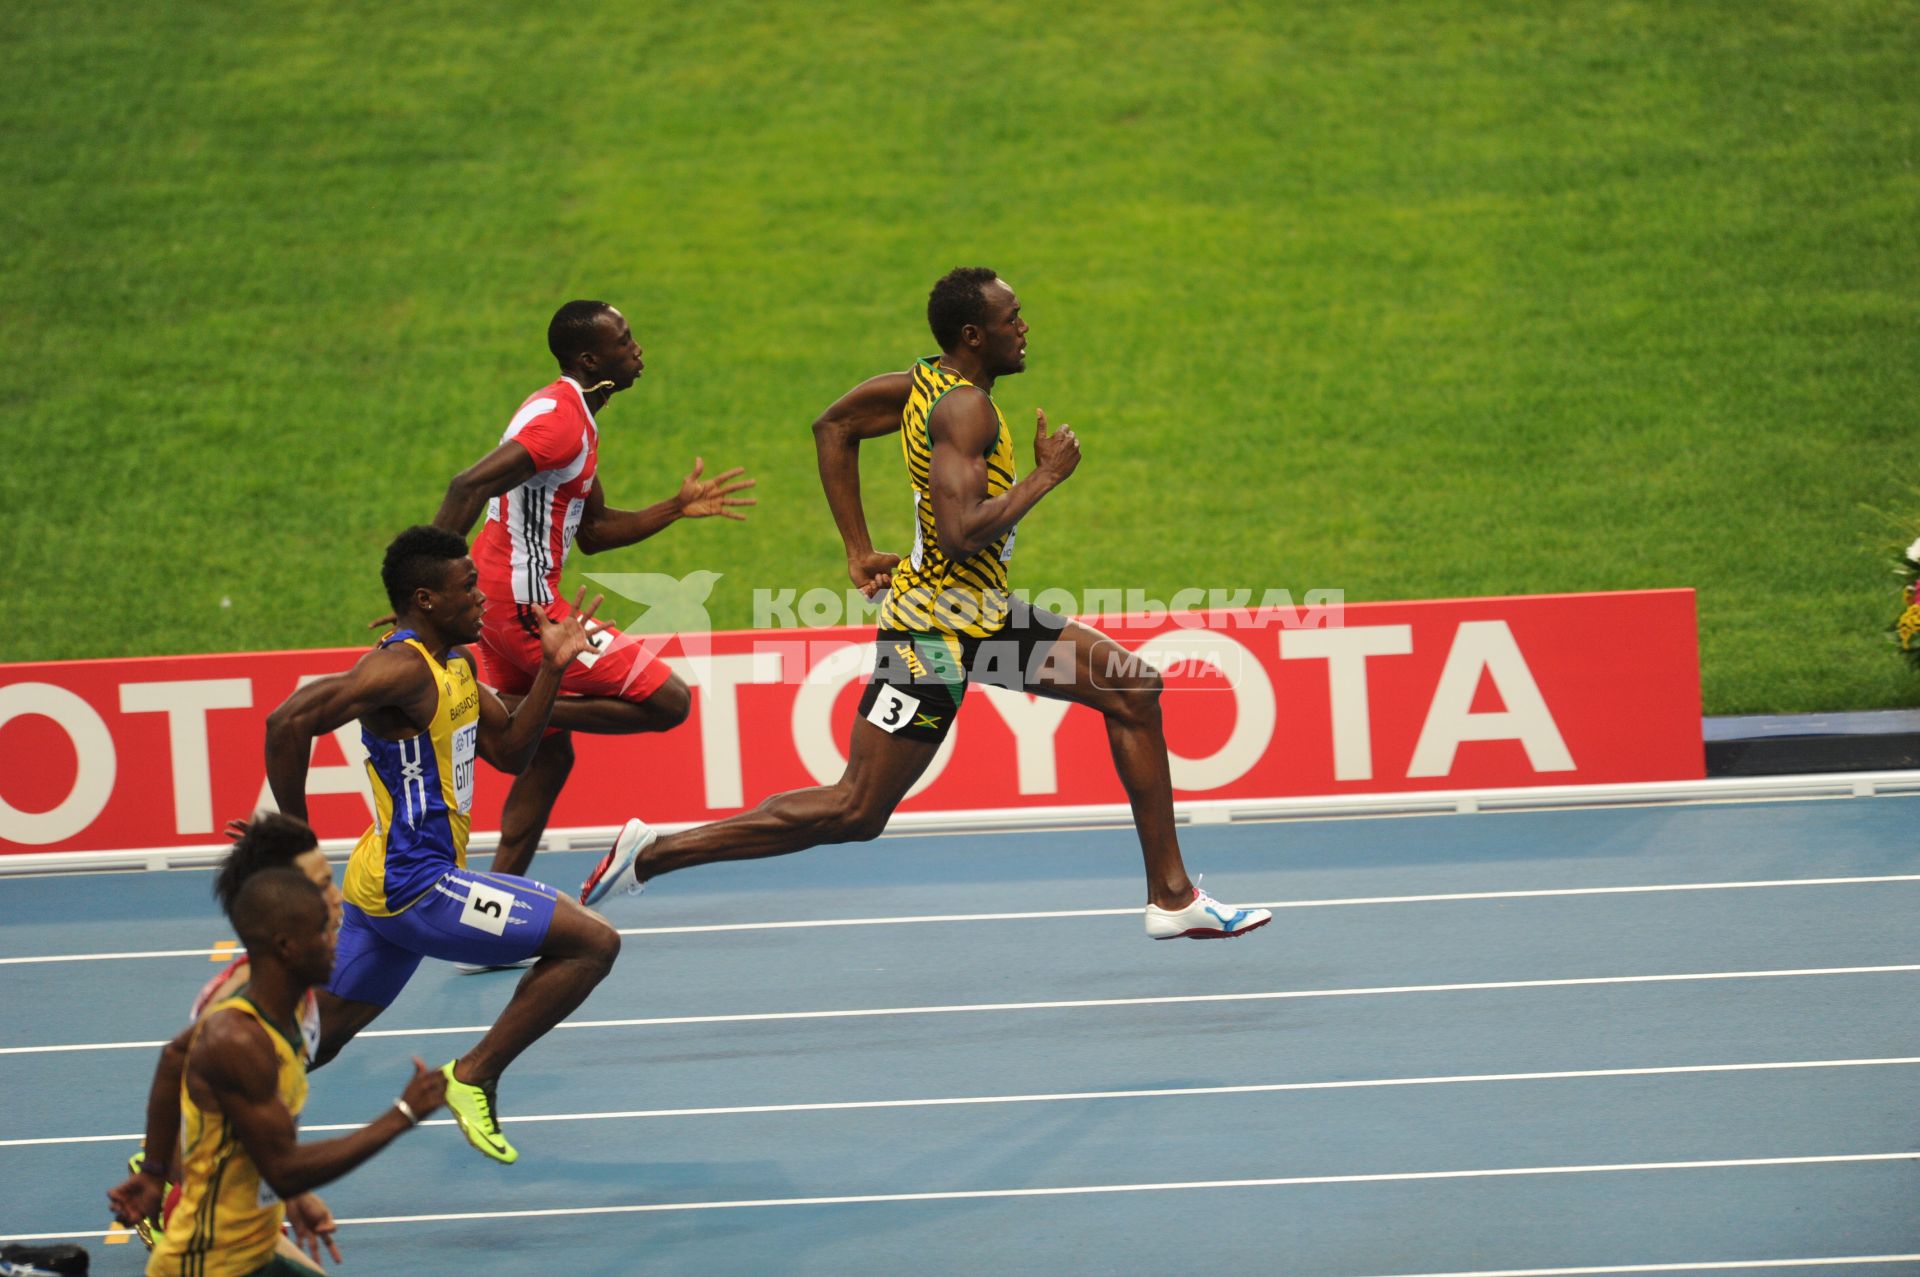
(244, 1085)
(947, 620)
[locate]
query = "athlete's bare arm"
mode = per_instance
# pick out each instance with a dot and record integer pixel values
(502, 470)
(163, 1100)
(868, 411)
(232, 1070)
(395, 694)
(163, 1103)
(392, 684)
(138, 1197)
(602, 528)
(963, 428)
(509, 737)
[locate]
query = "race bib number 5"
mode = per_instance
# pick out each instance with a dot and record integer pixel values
(488, 908)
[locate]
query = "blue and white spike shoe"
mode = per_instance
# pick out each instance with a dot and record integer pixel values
(617, 872)
(1204, 919)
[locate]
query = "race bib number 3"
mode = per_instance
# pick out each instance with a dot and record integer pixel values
(488, 908)
(892, 710)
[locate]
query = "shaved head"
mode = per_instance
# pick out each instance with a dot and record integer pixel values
(277, 903)
(575, 329)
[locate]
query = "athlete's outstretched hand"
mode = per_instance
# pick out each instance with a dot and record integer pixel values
(698, 499)
(312, 1225)
(1057, 453)
(561, 641)
(428, 1089)
(872, 572)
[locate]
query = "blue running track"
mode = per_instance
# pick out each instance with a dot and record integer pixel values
(1658, 1039)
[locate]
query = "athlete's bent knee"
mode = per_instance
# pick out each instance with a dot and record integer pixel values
(340, 1022)
(325, 1051)
(863, 824)
(1146, 683)
(1137, 701)
(603, 943)
(578, 934)
(670, 704)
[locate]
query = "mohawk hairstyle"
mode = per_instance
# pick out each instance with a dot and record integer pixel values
(272, 841)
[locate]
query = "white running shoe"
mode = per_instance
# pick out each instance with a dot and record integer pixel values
(616, 871)
(476, 968)
(1204, 919)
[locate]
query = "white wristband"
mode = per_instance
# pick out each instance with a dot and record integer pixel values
(406, 1111)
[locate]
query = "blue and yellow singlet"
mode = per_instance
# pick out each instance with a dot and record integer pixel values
(227, 1221)
(422, 793)
(931, 592)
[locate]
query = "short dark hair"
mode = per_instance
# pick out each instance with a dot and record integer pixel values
(959, 299)
(417, 559)
(271, 902)
(273, 841)
(571, 334)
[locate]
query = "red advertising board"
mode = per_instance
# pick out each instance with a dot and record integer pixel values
(1369, 698)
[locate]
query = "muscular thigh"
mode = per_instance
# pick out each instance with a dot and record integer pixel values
(882, 766)
(367, 966)
(917, 684)
(1084, 666)
(486, 919)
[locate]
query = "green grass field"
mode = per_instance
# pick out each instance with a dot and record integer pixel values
(1411, 299)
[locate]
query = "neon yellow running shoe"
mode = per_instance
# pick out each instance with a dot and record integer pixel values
(473, 1108)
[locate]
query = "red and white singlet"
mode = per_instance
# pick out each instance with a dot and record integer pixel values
(524, 542)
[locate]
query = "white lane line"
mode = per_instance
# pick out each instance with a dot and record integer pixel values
(647, 1022)
(1331, 903)
(207, 952)
(1176, 1092)
(1084, 1190)
(1695, 1266)
(1030, 915)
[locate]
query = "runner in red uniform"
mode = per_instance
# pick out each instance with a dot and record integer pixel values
(540, 491)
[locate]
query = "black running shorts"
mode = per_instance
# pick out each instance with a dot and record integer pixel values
(919, 679)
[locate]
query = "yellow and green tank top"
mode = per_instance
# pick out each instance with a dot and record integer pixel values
(931, 592)
(227, 1221)
(422, 795)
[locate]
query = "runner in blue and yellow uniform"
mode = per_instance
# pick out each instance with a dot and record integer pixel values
(425, 719)
(948, 620)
